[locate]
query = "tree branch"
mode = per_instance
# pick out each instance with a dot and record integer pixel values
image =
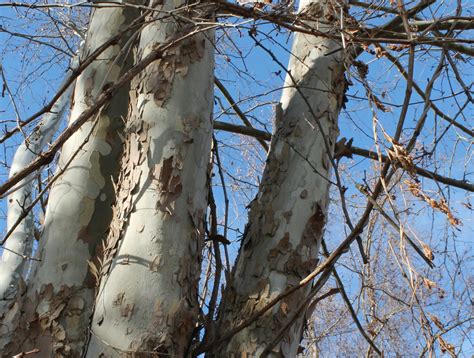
(461, 184)
(238, 111)
(72, 77)
(108, 92)
(249, 131)
(347, 151)
(349, 304)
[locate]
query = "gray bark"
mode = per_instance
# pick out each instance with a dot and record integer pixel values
(53, 314)
(286, 219)
(17, 249)
(147, 300)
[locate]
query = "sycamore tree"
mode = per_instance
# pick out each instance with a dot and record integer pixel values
(236, 179)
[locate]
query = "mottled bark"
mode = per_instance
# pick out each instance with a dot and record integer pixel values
(147, 301)
(17, 249)
(56, 307)
(286, 219)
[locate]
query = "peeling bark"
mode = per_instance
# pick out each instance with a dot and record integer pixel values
(18, 247)
(147, 300)
(53, 314)
(287, 217)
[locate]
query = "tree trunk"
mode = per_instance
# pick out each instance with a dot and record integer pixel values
(147, 300)
(282, 239)
(56, 309)
(17, 249)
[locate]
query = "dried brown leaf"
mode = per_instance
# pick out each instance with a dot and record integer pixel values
(446, 347)
(429, 284)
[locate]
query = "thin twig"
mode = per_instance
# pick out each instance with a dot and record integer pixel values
(349, 304)
(237, 110)
(396, 226)
(107, 93)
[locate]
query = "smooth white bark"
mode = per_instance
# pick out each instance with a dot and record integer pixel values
(286, 220)
(55, 311)
(16, 246)
(147, 301)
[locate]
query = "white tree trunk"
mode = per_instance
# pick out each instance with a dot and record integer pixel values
(147, 299)
(17, 249)
(56, 308)
(286, 219)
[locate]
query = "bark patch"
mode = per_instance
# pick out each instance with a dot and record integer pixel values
(45, 318)
(168, 184)
(314, 227)
(136, 146)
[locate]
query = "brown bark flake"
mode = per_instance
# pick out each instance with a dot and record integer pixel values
(136, 146)
(299, 265)
(314, 227)
(283, 247)
(159, 77)
(168, 184)
(44, 319)
(180, 322)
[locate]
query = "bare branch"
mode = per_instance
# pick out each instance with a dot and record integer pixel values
(237, 110)
(108, 92)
